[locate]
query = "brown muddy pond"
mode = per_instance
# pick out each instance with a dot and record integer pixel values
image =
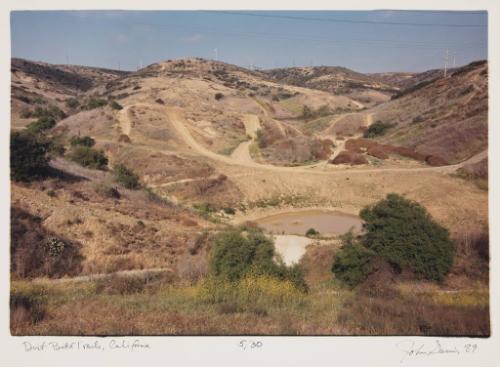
(298, 222)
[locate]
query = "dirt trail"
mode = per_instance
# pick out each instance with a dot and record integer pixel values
(242, 152)
(124, 120)
(178, 123)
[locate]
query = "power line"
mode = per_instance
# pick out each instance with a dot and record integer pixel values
(350, 21)
(327, 40)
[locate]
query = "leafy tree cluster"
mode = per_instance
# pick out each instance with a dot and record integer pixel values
(401, 232)
(241, 251)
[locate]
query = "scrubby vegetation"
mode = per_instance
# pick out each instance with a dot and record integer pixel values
(402, 233)
(311, 232)
(89, 157)
(378, 128)
(94, 102)
(353, 262)
(243, 251)
(125, 176)
(52, 111)
(42, 124)
(309, 113)
(85, 141)
(115, 105)
(29, 156)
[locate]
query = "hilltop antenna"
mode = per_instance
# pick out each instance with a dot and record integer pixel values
(67, 59)
(216, 51)
(454, 59)
(446, 63)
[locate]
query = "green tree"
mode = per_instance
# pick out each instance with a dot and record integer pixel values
(403, 233)
(29, 158)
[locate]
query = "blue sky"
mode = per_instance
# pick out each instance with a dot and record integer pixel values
(364, 41)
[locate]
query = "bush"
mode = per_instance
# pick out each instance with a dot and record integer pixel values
(229, 210)
(311, 232)
(219, 96)
(128, 178)
(115, 105)
(29, 158)
(379, 128)
(261, 139)
(42, 124)
(94, 103)
(353, 262)
(240, 252)
(89, 157)
(404, 234)
(85, 141)
(72, 103)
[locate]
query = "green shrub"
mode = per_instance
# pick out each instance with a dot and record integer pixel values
(352, 263)
(240, 252)
(42, 124)
(379, 128)
(85, 141)
(403, 233)
(125, 176)
(229, 210)
(29, 158)
(115, 105)
(94, 103)
(311, 232)
(89, 157)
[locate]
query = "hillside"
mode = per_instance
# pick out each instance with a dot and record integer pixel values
(365, 88)
(38, 85)
(446, 117)
(148, 170)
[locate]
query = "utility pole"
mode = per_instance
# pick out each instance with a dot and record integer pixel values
(446, 63)
(216, 51)
(454, 59)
